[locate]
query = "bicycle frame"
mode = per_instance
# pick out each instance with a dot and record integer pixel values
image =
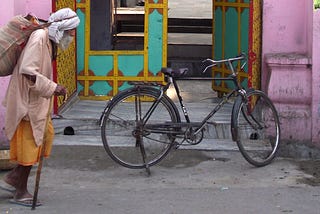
(153, 124)
(173, 80)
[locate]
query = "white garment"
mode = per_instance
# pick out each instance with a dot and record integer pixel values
(56, 29)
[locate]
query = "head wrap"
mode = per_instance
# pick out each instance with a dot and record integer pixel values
(56, 29)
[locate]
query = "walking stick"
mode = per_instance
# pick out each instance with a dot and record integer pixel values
(43, 148)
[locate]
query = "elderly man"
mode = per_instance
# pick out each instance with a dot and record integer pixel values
(28, 100)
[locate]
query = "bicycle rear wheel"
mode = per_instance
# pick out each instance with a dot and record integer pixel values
(124, 137)
(256, 128)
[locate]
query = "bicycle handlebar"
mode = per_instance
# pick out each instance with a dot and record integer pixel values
(240, 57)
(183, 71)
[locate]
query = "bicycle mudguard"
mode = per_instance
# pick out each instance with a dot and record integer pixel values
(142, 88)
(235, 108)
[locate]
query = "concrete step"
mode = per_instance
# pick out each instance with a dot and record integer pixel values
(77, 125)
(216, 130)
(84, 117)
(95, 140)
(80, 115)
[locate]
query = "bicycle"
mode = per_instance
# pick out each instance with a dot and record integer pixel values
(145, 123)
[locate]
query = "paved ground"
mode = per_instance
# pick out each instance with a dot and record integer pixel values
(82, 179)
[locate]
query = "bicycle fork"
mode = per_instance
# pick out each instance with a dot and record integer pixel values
(139, 142)
(139, 132)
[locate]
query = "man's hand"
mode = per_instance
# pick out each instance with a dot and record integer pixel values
(60, 91)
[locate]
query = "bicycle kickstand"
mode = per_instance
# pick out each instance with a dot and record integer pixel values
(143, 153)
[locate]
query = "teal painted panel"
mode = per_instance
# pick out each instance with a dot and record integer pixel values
(217, 82)
(218, 34)
(231, 35)
(244, 83)
(245, 39)
(80, 41)
(245, 31)
(101, 65)
(78, 1)
(124, 86)
(232, 1)
(130, 65)
(155, 1)
(155, 41)
(101, 88)
(80, 87)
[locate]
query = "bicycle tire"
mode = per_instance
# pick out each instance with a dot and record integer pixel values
(119, 124)
(256, 128)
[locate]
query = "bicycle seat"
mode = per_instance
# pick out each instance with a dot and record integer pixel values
(174, 72)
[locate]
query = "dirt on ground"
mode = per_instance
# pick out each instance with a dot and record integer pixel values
(311, 167)
(99, 160)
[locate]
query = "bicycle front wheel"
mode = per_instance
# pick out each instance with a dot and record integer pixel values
(123, 134)
(256, 127)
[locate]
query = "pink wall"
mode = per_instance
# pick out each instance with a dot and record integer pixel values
(291, 44)
(6, 11)
(9, 8)
(286, 24)
(287, 28)
(316, 80)
(41, 8)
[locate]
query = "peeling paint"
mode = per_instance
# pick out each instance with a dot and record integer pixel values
(295, 114)
(296, 91)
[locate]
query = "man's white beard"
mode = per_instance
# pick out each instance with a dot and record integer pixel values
(65, 41)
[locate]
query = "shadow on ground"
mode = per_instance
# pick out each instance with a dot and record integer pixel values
(94, 158)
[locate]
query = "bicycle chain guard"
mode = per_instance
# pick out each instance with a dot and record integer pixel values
(193, 139)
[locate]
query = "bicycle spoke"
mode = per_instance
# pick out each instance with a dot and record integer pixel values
(137, 147)
(257, 127)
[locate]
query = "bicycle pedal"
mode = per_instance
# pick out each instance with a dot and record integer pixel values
(176, 145)
(254, 136)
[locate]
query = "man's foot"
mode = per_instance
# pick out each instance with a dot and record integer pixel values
(11, 179)
(18, 178)
(27, 202)
(7, 187)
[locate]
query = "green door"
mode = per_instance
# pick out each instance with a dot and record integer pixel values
(103, 69)
(237, 28)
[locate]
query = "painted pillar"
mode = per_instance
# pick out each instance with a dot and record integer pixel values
(287, 74)
(316, 80)
(285, 29)
(8, 9)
